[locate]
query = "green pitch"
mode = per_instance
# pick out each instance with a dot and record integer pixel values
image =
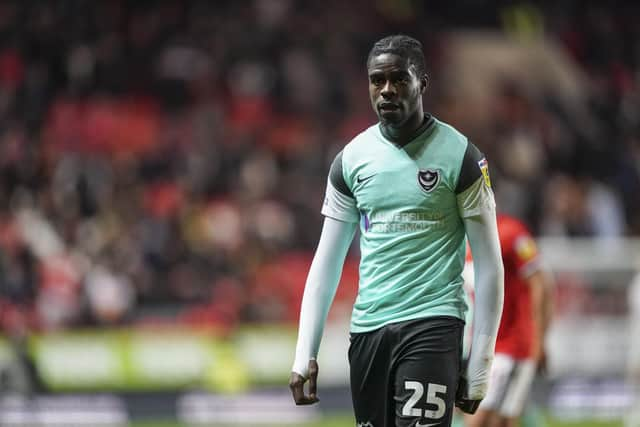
(347, 421)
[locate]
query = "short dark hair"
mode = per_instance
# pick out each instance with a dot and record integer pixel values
(403, 46)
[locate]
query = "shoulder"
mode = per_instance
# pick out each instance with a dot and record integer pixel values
(361, 141)
(473, 164)
(351, 150)
(453, 135)
(468, 154)
(360, 150)
(345, 158)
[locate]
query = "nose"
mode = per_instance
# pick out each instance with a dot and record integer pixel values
(388, 90)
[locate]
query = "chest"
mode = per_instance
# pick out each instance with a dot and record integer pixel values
(396, 180)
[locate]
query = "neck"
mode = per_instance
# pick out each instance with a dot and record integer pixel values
(404, 134)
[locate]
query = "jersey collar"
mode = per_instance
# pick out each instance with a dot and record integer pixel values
(427, 126)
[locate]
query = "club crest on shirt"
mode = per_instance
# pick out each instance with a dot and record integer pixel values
(367, 424)
(428, 179)
(484, 168)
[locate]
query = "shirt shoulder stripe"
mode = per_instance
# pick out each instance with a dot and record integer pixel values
(470, 170)
(337, 178)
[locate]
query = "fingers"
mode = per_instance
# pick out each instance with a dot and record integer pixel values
(296, 384)
(468, 406)
(313, 379)
(461, 392)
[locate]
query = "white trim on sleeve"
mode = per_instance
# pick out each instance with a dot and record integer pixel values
(339, 206)
(476, 199)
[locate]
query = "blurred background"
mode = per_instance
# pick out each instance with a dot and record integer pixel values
(163, 165)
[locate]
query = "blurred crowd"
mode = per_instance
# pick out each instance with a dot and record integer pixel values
(165, 161)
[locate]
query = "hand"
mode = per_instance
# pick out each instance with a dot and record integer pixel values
(296, 384)
(468, 406)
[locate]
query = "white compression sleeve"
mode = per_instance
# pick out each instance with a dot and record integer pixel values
(320, 289)
(482, 231)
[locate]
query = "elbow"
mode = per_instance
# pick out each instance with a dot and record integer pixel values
(495, 274)
(494, 282)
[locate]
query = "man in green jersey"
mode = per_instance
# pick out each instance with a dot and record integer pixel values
(416, 187)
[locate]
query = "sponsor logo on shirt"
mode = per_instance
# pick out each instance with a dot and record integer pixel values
(484, 168)
(428, 179)
(365, 424)
(399, 222)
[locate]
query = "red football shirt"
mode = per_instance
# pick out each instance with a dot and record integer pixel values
(516, 334)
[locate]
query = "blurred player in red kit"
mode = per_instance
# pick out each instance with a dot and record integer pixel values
(525, 319)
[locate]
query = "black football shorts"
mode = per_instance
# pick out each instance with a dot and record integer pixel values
(406, 373)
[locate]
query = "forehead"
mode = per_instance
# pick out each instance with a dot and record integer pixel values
(387, 62)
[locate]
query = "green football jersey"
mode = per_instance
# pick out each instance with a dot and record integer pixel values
(410, 202)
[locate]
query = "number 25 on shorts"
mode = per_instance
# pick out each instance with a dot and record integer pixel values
(433, 390)
(433, 398)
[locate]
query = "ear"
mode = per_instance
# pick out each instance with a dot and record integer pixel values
(424, 83)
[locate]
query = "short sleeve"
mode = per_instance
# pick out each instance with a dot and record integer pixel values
(476, 199)
(474, 165)
(339, 202)
(336, 177)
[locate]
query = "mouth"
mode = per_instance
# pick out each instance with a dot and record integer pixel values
(387, 107)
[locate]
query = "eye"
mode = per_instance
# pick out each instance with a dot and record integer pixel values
(377, 80)
(402, 79)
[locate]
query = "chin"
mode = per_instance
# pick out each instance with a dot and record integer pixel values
(391, 120)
